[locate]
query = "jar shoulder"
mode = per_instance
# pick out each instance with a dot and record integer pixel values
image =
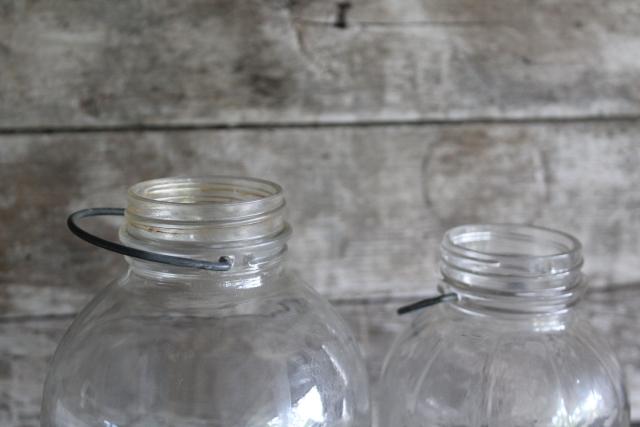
(453, 329)
(281, 303)
(446, 363)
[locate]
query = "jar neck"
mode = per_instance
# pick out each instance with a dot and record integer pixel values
(207, 218)
(512, 269)
(248, 277)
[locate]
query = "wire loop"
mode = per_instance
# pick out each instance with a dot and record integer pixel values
(223, 264)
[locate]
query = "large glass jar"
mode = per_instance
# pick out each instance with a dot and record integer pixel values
(180, 347)
(512, 349)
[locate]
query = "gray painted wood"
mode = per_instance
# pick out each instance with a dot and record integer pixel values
(368, 205)
(98, 63)
(26, 347)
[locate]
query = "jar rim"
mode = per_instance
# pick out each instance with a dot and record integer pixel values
(143, 190)
(205, 199)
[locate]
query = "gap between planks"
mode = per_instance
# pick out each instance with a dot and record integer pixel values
(364, 301)
(179, 127)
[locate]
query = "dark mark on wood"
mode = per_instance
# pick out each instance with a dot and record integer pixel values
(341, 18)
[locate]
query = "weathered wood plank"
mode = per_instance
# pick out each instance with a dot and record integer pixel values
(467, 58)
(225, 62)
(25, 352)
(368, 215)
(26, 347)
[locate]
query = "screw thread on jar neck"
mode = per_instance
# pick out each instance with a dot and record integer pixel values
(512, 268)
(208, 217)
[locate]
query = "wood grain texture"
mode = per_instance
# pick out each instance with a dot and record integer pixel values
(202, 62)
(368, 203)
(368, 214)
(26, 347)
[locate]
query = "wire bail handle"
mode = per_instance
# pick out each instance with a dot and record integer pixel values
(223, 264)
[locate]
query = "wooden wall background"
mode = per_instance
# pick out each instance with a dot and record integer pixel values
(386, 121)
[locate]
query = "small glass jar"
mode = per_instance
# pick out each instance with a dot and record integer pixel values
(512, 349)
(178, 346)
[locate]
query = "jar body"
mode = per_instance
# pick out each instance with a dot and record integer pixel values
(513, 349)
(459, 368)
(255, 350)
(174, 345)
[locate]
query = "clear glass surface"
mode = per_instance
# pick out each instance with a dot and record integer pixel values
(514, 350)
(172, 346)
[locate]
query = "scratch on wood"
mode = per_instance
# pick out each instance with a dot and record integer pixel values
(414, 24)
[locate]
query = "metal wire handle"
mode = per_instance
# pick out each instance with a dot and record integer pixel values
(223, 264)
(427, 303)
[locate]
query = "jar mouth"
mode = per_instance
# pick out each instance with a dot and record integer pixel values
(512, 266)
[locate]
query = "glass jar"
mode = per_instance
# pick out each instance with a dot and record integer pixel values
(512, 349)
(178, 346)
